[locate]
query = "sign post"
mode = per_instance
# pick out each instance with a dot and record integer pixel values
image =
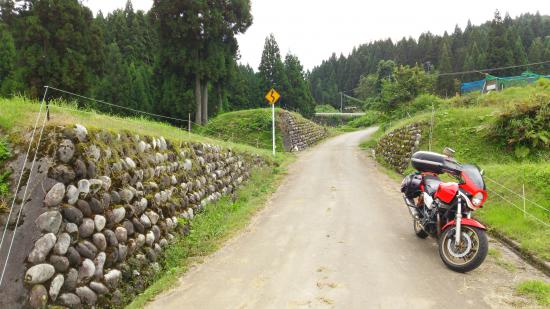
(272, 97)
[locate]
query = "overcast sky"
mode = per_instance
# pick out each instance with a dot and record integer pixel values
(314, 29)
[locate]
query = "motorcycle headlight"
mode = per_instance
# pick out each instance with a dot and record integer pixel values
(477, 199)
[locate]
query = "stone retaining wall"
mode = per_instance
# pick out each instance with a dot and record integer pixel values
(298, 132)
(396, 147)
(115, 202)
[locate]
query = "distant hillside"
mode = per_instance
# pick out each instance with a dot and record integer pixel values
(497, 43)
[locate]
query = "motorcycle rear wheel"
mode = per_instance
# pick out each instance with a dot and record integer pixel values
(418, 230)
(471, 252)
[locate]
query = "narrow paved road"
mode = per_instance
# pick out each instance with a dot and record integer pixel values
(336, 235)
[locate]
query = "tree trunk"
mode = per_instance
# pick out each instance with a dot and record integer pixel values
(198, 101)
(205, 103)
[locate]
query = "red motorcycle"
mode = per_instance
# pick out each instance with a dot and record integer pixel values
(444, 209)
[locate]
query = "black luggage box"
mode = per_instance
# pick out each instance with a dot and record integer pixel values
(431, 162)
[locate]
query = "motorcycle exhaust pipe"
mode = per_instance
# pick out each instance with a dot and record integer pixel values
(412, 207)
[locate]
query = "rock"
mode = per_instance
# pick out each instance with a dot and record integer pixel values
(56, 285)
(55, 195)
(153, 216)
(149, 238)
(73, 214)
(145, 221)
(84, 187)
(112, 257)
(71, 280)
(38, 297)
(87, 228)
(121, 234)
(156, 231)
(86, 271)
(140, 240)
(62, 244)
(62, 173)
(73, 256)
(138, 226)
(84, 207)
(71, 228)
(72, 194)
(119, 214)
(129, 227)
(99, 287)
(151, 255)
(99, 264)
(142, 146)
(97, 207)
(112, 241)
(87, 296)
(94, 153)
(99, 222)
(126, 195)
(80, 169)
(65, 151)
(81, 133)
(91, 170)
(70, 300)
(60, 263)
(49, 222)
(115, 197)
(42, 248)
(95, 185)
(39, 274)
(163, 242)
(130, 163)
(112, 278)
(100, 241)
(106, 181)
(86, 249)
(122, 252)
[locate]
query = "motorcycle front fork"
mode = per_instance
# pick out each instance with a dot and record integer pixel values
(458, 222)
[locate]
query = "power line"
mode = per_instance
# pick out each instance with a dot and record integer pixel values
(115, 105)
(494, 69)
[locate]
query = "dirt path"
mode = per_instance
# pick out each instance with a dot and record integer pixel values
(336, 235)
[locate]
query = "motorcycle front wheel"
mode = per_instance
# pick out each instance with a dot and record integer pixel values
(469, 254)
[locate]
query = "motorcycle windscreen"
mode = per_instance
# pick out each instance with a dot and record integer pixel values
(472, 176)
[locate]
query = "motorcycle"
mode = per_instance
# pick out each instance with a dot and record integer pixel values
(444, 209)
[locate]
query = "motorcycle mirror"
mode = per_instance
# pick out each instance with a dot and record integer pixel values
(449, 152)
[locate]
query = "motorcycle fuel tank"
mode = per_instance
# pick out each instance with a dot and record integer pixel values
(447, 191)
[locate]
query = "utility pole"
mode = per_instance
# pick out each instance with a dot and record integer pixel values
(341, 102)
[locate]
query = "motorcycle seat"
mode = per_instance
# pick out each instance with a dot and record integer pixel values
(431, 184)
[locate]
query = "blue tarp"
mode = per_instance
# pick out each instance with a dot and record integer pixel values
(472, 86)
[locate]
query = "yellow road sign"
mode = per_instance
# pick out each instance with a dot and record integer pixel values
(272, 96)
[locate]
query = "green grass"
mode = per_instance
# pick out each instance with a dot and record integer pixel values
(465, 128)
(537, 290)
(5, 155)
(211, 229)
(251, 127)
(18, 115)
(325, 108)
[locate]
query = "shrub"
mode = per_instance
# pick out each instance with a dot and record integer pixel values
(325, 108)
(367, 120)
(525, 126)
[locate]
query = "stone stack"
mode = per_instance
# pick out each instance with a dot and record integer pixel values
(119, 200)
(397, 147)
(298, 132)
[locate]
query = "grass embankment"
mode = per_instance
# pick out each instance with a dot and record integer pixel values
(251, 127)
(208, 230)
(17, 115)
(464, 124)
(5, 155)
